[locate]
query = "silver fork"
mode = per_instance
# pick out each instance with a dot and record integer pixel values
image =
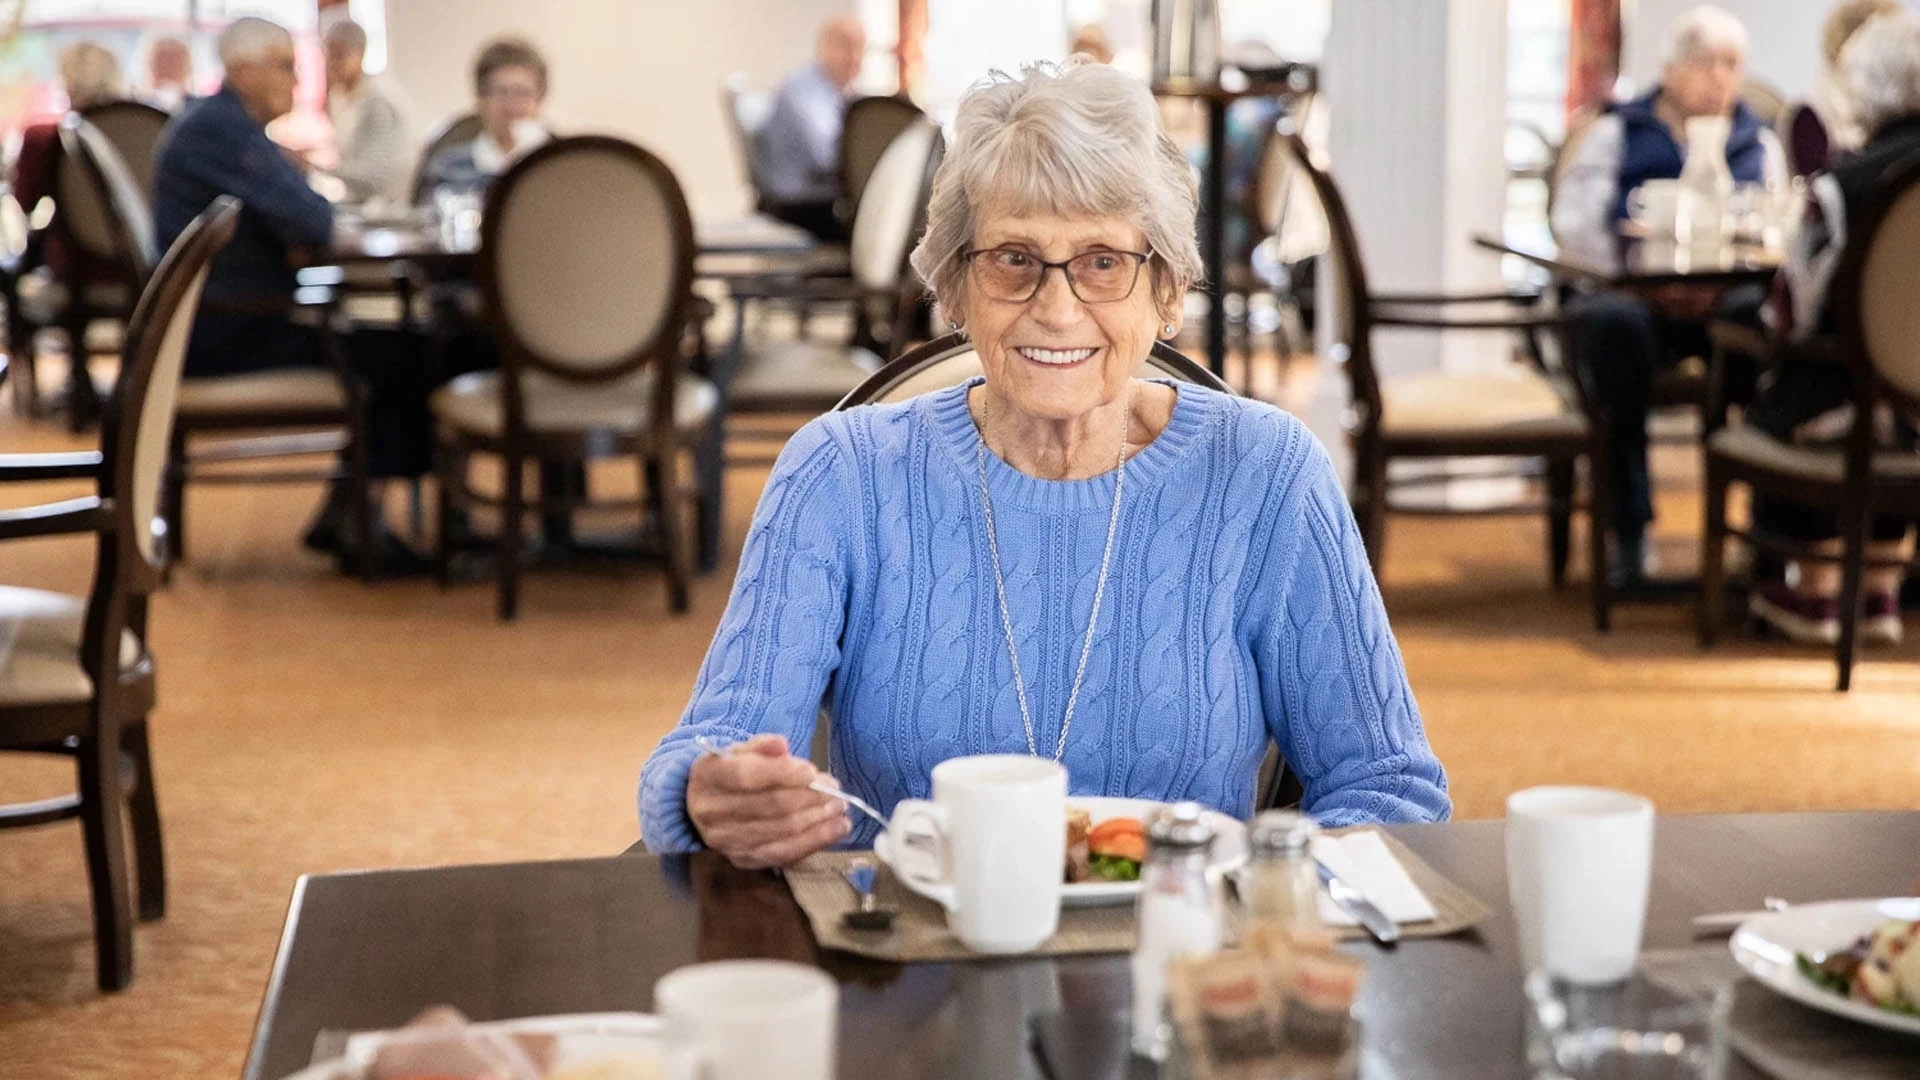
(820, 785)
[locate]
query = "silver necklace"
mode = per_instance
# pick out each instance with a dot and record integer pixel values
(1099, 589)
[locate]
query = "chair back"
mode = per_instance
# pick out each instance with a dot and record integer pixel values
(1578, 127)
(1283, 201)
(949, 360)
(1769, 105)
(103, 207)
(747, 111)
(1353, 334)
(586, 264)
(894, 206)
(1874, 289)
(133, 127)
(870, 127)
(452, 131)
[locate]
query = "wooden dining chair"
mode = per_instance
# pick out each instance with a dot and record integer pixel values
(869, 128)
(133, 128)
(950, 360)
(1872, 296)
(77, 678)
(1513, 410)
(464, 127)
(586, 263)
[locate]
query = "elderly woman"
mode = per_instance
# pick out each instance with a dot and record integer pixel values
(90, 74)
(1147, 581)
(1806, 401)
(509, 90)
(1626, 340)
(1829, 122)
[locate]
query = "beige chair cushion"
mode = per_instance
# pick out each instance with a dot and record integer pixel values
(799, 372)
(305, 389)
(40, 648)
(1824, 464)
(471, 403)
(1517, 404)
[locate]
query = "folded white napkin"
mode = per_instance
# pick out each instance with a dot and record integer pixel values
(1362, 860)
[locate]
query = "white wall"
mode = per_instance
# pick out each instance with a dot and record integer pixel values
(647, 70)
(1785, 35)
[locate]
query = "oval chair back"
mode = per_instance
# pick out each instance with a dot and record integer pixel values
(133, 127)
(1352, 326)
(1875, 286)
(586, 262)
(102, 205)
(869, 129)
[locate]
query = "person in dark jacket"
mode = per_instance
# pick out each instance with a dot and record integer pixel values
(219, 146)
(1624, 341)
(1809, 402)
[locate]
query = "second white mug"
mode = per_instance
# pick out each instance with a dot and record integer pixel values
(997, 827)
(1579, 864)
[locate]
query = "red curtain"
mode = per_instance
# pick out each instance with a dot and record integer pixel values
(1593, 54)
(911, 51)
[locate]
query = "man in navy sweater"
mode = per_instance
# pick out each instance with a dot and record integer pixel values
(219, 146)
(1623, 341)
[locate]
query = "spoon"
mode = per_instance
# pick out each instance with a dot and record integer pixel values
(869, 915)
(822, 786)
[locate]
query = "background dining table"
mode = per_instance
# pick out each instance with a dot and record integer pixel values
(1643, 264)
(369, 950)
(423, 242)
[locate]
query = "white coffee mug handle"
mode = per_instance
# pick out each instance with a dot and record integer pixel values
(918, 835)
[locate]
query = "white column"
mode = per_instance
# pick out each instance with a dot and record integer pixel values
(1416, 94)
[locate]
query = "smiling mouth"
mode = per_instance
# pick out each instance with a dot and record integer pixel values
(1056, 357)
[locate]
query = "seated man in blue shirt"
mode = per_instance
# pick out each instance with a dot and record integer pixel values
(797, 152)
(219, 146)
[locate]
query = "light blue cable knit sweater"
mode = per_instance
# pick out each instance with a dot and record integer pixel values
(1239, 608)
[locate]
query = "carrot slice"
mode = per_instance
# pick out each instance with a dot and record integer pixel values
(1125, 837)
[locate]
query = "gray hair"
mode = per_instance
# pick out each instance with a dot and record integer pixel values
(1881, 64)
(347, 34)
(1082, 140)
(250, 39)
(1704, 29)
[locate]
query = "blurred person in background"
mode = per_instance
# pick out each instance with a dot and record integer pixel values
(372, 120)
(798, 149)
(91, 75)
(1807, 401)
(1625, 340)
(169, 74)
(1829, 122)
(217, 146)
(510, 88)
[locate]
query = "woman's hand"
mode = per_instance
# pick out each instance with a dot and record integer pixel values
(752, 805)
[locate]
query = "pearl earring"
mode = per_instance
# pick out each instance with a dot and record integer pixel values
(1167, 330)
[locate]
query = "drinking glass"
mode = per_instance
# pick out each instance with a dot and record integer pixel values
(1629, 1031)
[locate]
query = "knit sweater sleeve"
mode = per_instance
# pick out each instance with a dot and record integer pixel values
(778, 642)
(1333, 683)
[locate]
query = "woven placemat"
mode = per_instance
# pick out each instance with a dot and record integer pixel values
(1779, 1038)
(920, 933)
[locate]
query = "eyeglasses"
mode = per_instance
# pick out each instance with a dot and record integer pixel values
(1015, 276)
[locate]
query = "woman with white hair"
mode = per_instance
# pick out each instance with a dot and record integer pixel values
(1625, 340)
(1829, 121)
(1805, 401)
(1146, 581)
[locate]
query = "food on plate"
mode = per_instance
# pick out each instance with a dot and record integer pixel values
(1882, 968)
(1109, 851)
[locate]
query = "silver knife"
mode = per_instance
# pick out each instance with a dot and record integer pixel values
(1355, 903)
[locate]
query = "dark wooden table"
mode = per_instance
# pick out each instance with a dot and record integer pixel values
(1213, 237)
(1643, 264)
(368, 950)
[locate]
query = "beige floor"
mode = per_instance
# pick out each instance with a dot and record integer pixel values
(310, 724)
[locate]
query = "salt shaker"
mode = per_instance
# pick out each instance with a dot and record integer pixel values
(1283, 882)
(1179, 915)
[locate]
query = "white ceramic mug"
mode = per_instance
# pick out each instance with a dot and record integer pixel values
(1654, 206)
(748, 1019)
(998, 830)
(1579, 863)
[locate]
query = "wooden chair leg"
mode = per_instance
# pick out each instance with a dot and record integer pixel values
(103, 827)
(1371, 469)
(512, 508)
(1597, 540)
(1853, 569)
(1710, 612)
(662, 476)
(360, 504)
(1559, 519)
(445, 479)
(710, 463)
(143, 816)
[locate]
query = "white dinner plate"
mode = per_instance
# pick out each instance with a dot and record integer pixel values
(1765, 946)
(1229, 850)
